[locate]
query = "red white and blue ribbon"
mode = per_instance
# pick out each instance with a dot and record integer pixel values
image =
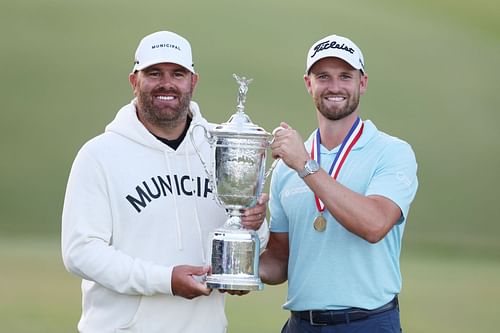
(345, 148)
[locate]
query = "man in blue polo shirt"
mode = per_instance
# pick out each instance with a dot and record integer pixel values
(339, 205)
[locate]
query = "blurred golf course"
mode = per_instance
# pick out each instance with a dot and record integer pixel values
(433, 70)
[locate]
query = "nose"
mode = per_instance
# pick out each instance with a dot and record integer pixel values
(334, 85)
(166, 78)
(166, 81)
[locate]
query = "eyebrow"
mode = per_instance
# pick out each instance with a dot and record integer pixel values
(343, 72)
(158, 68)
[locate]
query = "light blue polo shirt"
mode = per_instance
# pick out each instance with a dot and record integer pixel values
(336, 269)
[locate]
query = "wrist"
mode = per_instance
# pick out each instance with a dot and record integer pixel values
(310, 167)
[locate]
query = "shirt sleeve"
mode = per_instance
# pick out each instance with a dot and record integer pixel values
(279, 220)
(263, 233)
(87, 237)
(396, 176)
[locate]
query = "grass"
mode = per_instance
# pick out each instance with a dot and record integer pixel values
(450, 294)
(38, 295)
(440, 294)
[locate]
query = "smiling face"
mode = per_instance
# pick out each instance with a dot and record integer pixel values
(163, 94)
(335, 87)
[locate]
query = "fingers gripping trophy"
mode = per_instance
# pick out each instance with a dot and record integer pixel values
(237, 174)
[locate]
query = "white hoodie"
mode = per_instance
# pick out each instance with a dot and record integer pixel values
(135, 208)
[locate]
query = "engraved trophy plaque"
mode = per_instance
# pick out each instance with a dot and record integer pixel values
(237, 174)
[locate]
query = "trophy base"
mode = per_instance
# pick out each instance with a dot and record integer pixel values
(234, 256)
(232, 282)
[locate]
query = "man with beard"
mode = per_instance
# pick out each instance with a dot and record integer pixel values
(339, 205)
(139, 208)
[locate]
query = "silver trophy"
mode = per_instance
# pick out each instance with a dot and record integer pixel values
(237, 174)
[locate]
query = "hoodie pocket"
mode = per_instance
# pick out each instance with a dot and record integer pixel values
(131, 326)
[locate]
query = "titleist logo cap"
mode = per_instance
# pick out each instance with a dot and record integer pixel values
(338, 47)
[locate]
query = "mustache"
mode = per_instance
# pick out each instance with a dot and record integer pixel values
(331, 93)
(164, 90)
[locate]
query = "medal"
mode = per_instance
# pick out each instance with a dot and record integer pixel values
(320, 223)
(345, 148)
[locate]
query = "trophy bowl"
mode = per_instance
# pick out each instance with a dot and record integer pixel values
(239, 169)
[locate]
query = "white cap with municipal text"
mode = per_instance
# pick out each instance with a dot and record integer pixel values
(338, 47)
(163, 46)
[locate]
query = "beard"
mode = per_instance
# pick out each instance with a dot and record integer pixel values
(166, 116)
(336, 112)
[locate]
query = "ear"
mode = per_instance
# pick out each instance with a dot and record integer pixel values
(307, 81)
(194, 81)
(363, 83)
(132, 78)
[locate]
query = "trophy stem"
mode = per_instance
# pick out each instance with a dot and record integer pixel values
(234, 221)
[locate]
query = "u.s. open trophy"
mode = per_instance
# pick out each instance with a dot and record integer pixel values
(237, 174)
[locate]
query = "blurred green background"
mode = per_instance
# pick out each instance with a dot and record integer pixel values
(433, 68)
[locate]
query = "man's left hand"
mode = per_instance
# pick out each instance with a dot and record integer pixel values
(253, 217)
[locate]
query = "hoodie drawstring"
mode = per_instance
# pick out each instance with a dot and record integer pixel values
(176, 210)
(197, 217)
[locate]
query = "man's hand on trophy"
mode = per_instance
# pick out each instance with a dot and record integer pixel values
(189, 281)
(289, 146)
(253, 217)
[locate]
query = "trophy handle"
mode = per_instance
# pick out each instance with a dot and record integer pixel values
(211, 141)
(268, 172)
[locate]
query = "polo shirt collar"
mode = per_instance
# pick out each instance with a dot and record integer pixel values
(369, 132)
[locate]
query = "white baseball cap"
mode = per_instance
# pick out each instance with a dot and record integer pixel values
(163, 46)
(338, 47)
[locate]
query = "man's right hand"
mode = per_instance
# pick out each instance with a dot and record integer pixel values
(289, 146)
(186, 281)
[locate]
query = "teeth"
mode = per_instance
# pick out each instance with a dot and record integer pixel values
(166, 98)
(335, 98)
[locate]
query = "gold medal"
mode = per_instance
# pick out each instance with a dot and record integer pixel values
(320, 223)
